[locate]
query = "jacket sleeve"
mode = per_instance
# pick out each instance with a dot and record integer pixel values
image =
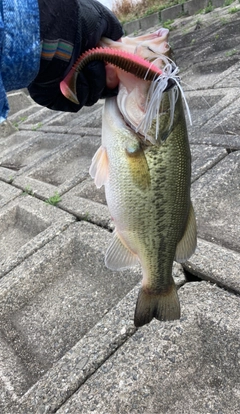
(20, 47)
(79, 25)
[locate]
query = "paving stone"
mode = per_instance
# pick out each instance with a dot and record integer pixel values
(39, 118)
(8, 193)
(205, 157)
(149, 21)
(17, 139)
(17, 101)
(192, 7)
(6, 129)
(27, 224)
(66, 118)
(171, 13)
(205, 105)
(226, 120)
(27, 153)
(216, 264)
(45, 116)
(90, 120)
(230, 142)
(19, 117)
(199, 49)
(51, 300)
(80, 131)
(61, 171)
(97, 344)
(131, 27)
(216, 200)
(191, 365)
(88, 203)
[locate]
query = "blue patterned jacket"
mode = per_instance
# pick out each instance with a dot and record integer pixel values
(19, 47)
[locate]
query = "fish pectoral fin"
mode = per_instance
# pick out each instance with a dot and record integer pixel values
(188, 242)
(99, 167)
(163, 305)
(118, 256)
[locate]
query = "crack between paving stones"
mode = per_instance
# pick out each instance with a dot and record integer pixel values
(116, 347)
(196, 276)
(193, 180)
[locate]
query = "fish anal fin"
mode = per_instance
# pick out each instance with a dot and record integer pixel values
(188, 242)
(99, 167)
(163, 305)
(118, 256)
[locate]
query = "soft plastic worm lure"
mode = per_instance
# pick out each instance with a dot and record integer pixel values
(129, 62)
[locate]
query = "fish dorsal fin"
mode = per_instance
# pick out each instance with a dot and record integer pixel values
(118, 256)
(99, 167)
(188, 242)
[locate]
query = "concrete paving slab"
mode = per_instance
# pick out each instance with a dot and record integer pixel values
(92, 120)
(18, 100)
(205, 157)
(149, 21)
(27, 224)
(64, 118)
(39, 118)
(187, 366)
(45, 117)
(61, 171)
(18, 138)
(131, 27)
(200, 51)
(65, 376)
(227, 120)
(19, 117)
(216, 200)
(60, 129)
(34, 150)
(27, 151)
(216, 264)
(230, 142)
(51, 300)
(171, 13)
(6, 129)
(206, 105)
(8, 193)
(87, 202)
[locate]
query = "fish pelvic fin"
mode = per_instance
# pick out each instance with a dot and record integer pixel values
(118, 255)
(163, 306)
(188, 242)
(99, 167)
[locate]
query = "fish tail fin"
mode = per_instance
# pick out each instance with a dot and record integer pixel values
(163, 306)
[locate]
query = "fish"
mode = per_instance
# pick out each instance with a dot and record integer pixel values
(147, 179)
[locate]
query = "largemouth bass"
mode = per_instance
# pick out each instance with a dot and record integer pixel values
(147, 185)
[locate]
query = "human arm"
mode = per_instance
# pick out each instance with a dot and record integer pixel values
(79, 26)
